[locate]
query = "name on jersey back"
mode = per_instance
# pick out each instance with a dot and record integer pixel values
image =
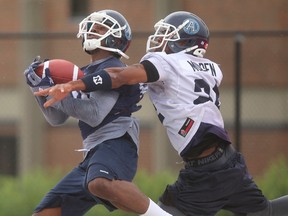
(205, 67)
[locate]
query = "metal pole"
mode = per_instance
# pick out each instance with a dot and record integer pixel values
(30, 127)
(164, 154)
(238, 87)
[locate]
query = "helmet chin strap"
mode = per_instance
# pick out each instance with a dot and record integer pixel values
(199, 52)
(190, 49)
(92, 44)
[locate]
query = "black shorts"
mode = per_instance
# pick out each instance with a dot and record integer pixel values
(113, 159)
(223, 184)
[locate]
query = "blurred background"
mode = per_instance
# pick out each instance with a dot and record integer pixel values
(249, 39)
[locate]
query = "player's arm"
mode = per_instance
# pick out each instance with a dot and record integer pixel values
(114, 77)
(137, 73)
(103, 80)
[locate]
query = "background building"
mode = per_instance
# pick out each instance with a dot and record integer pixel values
(48, 28)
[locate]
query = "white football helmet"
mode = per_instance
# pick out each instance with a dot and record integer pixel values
(117, 37)
(180, 31)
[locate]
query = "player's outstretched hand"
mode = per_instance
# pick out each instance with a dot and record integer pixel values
(56, 93)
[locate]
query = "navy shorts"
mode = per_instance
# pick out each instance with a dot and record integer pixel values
(205, 189)
(113, 159)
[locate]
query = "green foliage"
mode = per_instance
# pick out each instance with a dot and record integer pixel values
(23, 194)
(274, 182)
(19, 196)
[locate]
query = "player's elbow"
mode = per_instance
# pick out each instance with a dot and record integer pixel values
(55, 123)
(56, 119)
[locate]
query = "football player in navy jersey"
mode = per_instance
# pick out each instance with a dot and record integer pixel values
(183, 86)
(110, 133)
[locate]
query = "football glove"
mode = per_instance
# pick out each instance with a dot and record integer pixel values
(33, 80)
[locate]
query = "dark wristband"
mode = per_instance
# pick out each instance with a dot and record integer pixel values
(100, 80)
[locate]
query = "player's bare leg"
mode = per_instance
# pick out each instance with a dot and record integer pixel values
(124, 195)
(49, 212)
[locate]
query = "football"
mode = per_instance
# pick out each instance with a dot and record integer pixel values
(61, 71)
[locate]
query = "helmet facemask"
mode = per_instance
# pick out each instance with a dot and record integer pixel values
(93, 40)
(164, 33)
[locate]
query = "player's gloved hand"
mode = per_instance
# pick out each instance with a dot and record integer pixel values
(32, 79)
(46, 81)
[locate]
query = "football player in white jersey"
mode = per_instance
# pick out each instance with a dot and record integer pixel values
(183, 86)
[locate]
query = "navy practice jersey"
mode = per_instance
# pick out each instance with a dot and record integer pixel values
(102, 115)
(186, 97)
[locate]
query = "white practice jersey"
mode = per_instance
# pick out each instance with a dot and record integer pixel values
(186, 96)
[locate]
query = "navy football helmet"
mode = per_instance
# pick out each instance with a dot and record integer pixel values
(180, 31)
(116, 39)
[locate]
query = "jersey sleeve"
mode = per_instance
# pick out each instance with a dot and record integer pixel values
(53, 116)
(91, 110)
(151, 71)
(159, 64)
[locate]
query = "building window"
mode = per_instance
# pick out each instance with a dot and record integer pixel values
(79, 8)
(8, 156)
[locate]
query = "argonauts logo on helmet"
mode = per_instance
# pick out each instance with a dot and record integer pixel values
(192, 27)
(128, 33)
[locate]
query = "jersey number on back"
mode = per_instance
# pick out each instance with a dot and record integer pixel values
(199, 85)
(202, 84)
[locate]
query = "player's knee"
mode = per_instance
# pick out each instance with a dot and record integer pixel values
(99, 187)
